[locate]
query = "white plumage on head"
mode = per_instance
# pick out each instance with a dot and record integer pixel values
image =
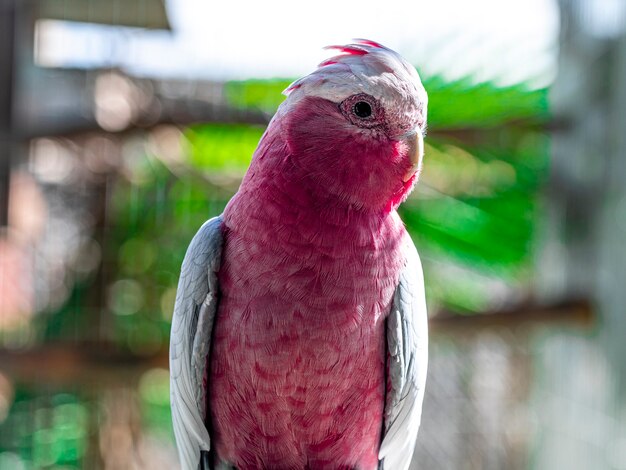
(364, 67)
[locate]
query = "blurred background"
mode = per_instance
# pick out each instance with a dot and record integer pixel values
(124, 124)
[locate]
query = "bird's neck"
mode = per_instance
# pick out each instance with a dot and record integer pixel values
(296, 210)
(277, 195)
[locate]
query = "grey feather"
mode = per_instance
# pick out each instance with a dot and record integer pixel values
(192, 324)
(407, 343)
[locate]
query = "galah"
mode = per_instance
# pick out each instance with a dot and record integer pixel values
(299, 336)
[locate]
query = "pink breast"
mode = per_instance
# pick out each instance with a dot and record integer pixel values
(297, 367)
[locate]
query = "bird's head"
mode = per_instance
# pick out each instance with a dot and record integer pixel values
(355, 126)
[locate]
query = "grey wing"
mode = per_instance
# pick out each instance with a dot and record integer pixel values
(192, 323)
(407, 347)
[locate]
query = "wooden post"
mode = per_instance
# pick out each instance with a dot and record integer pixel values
(580, 387)
(7, 60)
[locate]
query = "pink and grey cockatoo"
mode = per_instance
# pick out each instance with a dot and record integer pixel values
(299, 337)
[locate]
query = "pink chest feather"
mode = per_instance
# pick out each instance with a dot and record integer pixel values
(297, 372)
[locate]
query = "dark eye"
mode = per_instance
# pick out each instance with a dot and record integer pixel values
(363, 109)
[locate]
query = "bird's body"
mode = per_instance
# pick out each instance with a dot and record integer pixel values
(315, 357)
(297, 370)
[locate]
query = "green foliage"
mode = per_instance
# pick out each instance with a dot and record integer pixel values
(265, 95)
(50, 432)
(461, 104)
(221, 147)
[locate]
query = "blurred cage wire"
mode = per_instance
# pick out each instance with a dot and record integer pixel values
(95, 163)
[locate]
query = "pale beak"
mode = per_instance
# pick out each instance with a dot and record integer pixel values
(415, 143)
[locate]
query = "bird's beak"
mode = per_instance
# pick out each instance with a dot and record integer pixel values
(415, 143)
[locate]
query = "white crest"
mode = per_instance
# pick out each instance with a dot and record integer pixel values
(364, 67)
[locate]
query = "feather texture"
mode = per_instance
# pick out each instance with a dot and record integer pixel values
(365, 67)
(192, 323)
(407, 343)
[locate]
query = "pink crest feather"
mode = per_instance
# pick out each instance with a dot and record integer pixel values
(292, 87)
(327, 62)
(349, 49)
(368, 42)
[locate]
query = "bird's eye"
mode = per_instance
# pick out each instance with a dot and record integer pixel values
(363, 109)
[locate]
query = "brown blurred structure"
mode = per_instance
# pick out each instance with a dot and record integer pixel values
(81, 106)
(134, 13)
(18, 72)
(581, 393)
(7, 59)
